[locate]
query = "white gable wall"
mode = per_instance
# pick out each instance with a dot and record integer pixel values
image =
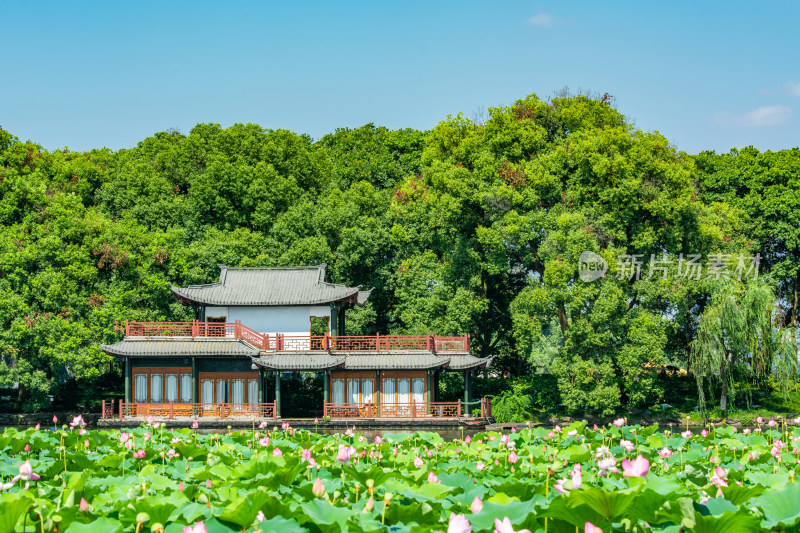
(290, 319)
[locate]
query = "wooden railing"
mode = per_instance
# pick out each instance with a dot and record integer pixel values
(281, 342)
(172, 410)
(393, 410)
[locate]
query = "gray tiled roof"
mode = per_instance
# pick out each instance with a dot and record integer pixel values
(270, 286)
(416, 361)
(463, 362)
(177, 346)
(298, 361)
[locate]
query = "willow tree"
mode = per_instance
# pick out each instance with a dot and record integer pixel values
(741, 340)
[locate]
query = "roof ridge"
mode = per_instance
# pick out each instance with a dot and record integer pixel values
(321, 266)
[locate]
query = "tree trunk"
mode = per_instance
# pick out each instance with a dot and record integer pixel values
(562, 319)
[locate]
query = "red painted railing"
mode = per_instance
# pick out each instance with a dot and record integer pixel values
(283, 342)
(393, 410)
(173, 410)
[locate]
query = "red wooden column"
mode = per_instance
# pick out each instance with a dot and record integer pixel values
(127, 329)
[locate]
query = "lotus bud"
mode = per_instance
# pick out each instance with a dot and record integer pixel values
(369, 506)
(476, 505)
(318, 489)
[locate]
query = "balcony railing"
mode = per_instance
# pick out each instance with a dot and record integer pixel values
(281, 342)
(404, 410)
(173, 410)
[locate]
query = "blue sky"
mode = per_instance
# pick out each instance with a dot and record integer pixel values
(707, 75)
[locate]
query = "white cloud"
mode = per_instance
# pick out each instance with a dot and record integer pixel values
(542, 19)
(762, 117)
(792, 88)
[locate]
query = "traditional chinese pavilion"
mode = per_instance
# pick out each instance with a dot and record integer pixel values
(257, 322)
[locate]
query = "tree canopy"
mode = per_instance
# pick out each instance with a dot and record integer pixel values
(466, 228)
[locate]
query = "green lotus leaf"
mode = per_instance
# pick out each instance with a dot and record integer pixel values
(780, 507)
(243, 510)
(12, 507)
(104, 524)
(729, 522)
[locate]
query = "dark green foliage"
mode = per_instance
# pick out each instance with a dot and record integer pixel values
(467, 228)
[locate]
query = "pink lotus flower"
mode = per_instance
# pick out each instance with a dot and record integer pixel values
(468, 440)
(316, 420)
(588, 527)
(27, 448)
(198, 527)
(181, 486)
(345, 452)
(83, 506)
(577, 478)
(208, 484)
(718, 478)
(704, 433)
(746, 431)
(150, 419)
(25, 473)
(276, 452)
(627, 445)
(572, 433)
(504, 439)
(557, 429)
(195, 425)
(285, 425)
(139, 454)
(37, 426)
(378, 439)
(476, 505)
(318, 489)
(306, 454)
(608, 464)
(772, 423)
(418, 462)
(513, 457)
(124, 437)
(551, 435)
(760, 420)
(775, 452)
(458, 524)
(665, 452)
(506, 527)
(55, 419)
(82, 431)
(480, 465)
(619, 422)
(77, 421)
(349, 433)
(559, 486)
(432, 478)
(638, 468)
(686, 434)
(263, 424)
(147, 435)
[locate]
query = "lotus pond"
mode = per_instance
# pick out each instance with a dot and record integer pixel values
(577, 478)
